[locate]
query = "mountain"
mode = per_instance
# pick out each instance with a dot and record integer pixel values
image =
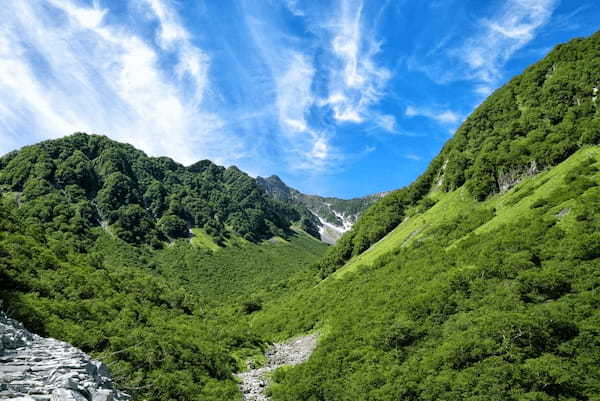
(138, 198)
(332, 216)
(479, 281)
(147, 265)
(531, 124)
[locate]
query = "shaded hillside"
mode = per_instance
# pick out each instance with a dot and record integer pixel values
(534, 122)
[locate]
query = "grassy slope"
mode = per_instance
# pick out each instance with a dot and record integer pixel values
(223, 275)
(502, 307)
(201, 239)
(510, 206)
(241, 269)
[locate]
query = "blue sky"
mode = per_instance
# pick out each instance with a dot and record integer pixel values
(340, 97)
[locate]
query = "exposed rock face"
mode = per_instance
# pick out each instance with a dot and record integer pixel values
(33, 368)
(331, 233)
(511, 178)
(332, 216)
(254, 382)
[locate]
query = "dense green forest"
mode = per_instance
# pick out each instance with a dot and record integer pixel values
(138, 198)
(479, 281)
(534, 122)
(170, 323)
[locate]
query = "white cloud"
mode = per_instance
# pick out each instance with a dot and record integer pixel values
(294, 95)
(294, 100)
(292, 5)
(304, 145)
(356, 82)
(330, 72)
(171, 31)
(173, 36)
(500, 36)
(413, 157)
(484, 90)
(64, 68)
(441, 116)
(386, 122)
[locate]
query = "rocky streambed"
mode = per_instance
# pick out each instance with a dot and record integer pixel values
(33, 368)
(254, 382)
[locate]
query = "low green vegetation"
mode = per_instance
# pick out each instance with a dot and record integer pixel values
(495, 212)
(482, 303)
(171, 322)
(241, 270)
(533, 123)
(200, 238)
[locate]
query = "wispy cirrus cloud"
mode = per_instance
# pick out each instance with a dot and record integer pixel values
(193, 64)
(67, 69)
(386, 122)
(478, 51)
(356, 80)
(294, 101)
(303, 144)
(441, 116)
(499, 36)
(344, 81)
(413, 157)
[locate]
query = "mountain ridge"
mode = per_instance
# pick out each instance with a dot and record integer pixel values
(334, 215)
(120, 187)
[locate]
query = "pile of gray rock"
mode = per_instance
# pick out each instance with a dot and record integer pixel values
(33, 368)
(253, 382)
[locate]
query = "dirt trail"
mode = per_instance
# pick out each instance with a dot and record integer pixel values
(254, 382)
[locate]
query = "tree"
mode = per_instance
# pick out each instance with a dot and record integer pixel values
(173, 227)
(133, 224)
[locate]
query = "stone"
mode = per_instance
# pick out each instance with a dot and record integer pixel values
(103, 395)
(33, 368)
(253, 382)
(62, 394)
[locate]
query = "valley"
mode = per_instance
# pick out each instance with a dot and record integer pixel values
(478, 281)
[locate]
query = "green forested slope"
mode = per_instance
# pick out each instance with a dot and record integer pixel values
(480, 281)
(494, 300)
(90, 181)
(170, 323)
(534, 122)
(96, 250)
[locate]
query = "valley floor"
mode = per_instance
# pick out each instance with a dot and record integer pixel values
(253, 382)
